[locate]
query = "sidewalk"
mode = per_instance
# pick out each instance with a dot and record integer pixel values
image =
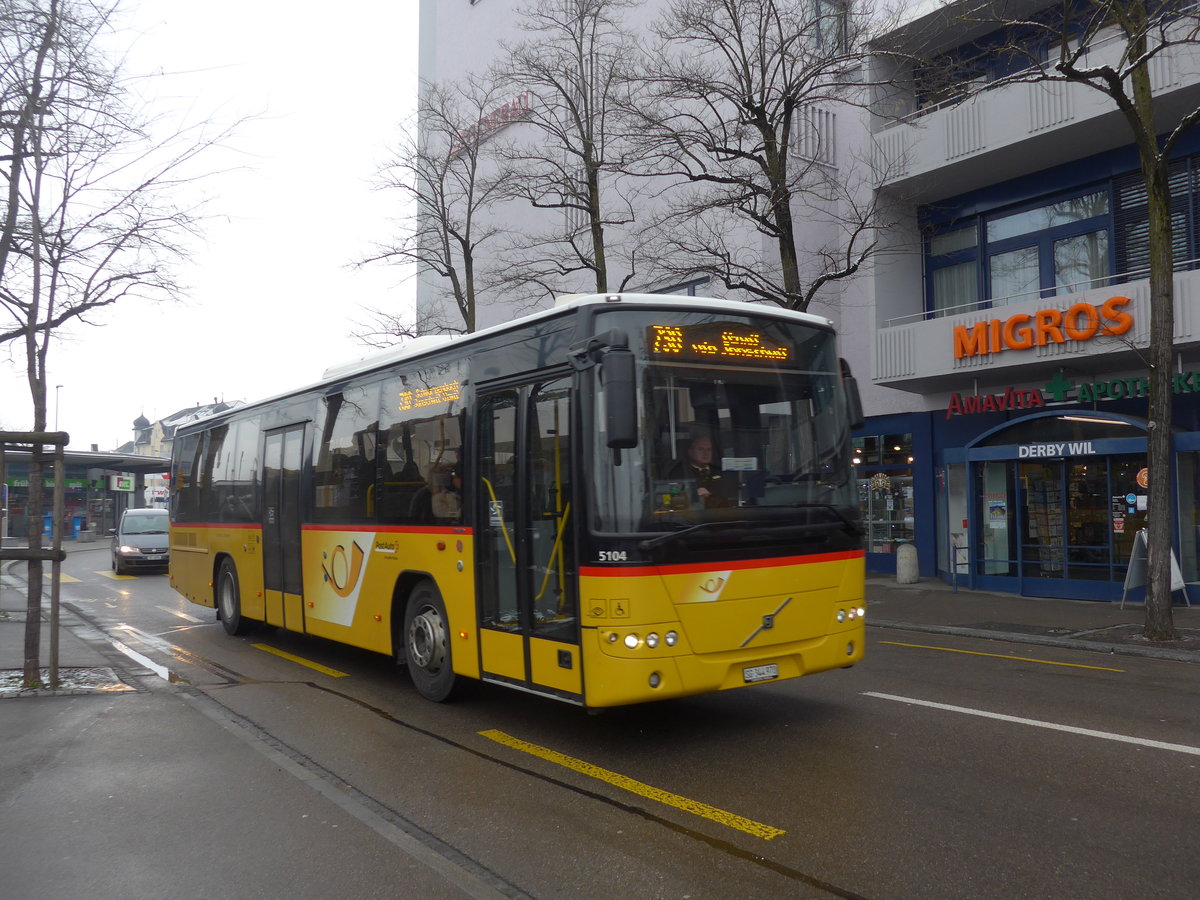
(87, 664)
(933, 606)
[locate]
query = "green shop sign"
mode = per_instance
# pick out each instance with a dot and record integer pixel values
(71, 484)
(1061, 389)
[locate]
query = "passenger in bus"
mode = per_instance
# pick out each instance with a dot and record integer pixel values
(713, 490)
(440, 500)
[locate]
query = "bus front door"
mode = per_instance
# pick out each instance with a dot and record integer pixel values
(528, 600)
(282, 456)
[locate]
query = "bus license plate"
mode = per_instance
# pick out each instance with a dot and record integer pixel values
(760, 673)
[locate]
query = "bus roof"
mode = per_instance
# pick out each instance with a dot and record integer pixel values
(426, 344)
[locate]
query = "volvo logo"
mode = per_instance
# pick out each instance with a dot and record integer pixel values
(768, 622)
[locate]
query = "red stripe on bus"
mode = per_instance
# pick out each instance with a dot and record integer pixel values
(619, 571)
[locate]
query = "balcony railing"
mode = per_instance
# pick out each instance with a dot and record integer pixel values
(1096, 53)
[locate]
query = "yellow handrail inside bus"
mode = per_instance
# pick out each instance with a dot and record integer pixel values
(503, 527)
(558, 554)
(555, 551)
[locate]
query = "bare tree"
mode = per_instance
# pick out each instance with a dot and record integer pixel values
(444, 173)
(1113, 47)
(89, 220)
(737, 104)
(573, 66)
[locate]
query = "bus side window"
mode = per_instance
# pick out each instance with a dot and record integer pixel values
(344, 471)
(400, 477)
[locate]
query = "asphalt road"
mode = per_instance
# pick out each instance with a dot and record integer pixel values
(940, 767)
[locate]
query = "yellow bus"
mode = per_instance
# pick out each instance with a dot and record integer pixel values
(626, 498)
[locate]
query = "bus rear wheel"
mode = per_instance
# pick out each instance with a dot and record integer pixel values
(427, 644)
(229, 600)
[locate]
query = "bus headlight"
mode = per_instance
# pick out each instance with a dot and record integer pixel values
(672, 639)
(652, 640)
(631, 641)
(841, 615)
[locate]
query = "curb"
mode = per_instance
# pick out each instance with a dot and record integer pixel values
(1189, 656)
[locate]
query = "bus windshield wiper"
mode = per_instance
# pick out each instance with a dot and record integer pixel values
(650, 543)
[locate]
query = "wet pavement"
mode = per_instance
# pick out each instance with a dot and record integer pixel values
(74, 789)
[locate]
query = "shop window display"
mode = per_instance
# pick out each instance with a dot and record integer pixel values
(884, 474)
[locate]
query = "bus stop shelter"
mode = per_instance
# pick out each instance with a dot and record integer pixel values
(98, 487)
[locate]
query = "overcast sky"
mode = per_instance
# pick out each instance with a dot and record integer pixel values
(272, 300)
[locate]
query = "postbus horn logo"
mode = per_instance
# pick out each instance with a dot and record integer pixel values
(344, 576)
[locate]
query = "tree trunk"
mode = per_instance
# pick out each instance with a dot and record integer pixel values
(1159, 624)
(597, 229)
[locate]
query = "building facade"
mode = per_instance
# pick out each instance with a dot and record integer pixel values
(1014, 301)
(999, 331)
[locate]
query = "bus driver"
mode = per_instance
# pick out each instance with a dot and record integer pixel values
(713, 490)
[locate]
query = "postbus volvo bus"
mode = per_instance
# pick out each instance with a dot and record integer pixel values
(626, 498)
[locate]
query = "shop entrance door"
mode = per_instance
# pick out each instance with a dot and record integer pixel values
(1061, 525)
(1043, 548)
(1077, 519)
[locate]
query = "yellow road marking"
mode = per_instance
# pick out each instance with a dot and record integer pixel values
(324, 670)
(1044, 662)
(720, 816)
(65, 579)
(108, 573)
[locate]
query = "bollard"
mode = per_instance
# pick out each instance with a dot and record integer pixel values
(906, 564)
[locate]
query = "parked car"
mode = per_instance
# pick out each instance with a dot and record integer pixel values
(141, 540)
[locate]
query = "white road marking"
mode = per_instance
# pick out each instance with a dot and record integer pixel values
(181, 615)
(161, 671)
(1053, 726)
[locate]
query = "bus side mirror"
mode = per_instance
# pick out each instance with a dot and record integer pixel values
(854, 408)
(618, 377)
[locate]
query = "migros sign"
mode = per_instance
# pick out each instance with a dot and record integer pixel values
(1022, 331)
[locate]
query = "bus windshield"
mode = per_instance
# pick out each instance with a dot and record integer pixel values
(742, 422)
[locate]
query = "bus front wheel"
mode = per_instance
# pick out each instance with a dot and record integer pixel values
(427, 644)
(229, 600)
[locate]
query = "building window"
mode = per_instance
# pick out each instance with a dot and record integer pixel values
(832, 25)
(1052, 248)
(1131, 220)
(883, 465)
(953, 259)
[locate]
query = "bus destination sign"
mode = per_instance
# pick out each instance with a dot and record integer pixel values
(430, 396)
(724, 341)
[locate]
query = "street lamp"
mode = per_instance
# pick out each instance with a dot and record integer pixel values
(57, 388)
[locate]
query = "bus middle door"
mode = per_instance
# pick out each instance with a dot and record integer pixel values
(282, 457)
(528, 600)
